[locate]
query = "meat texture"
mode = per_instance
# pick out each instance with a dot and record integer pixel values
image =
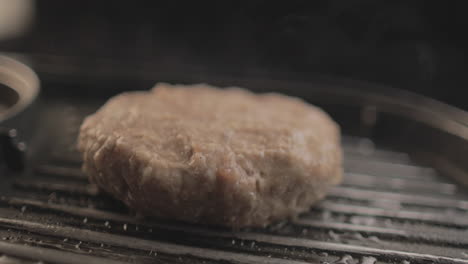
(201, 154)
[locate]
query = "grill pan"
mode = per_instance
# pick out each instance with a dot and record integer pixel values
(402, 199)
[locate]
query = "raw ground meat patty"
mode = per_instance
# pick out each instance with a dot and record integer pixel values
(201, 154)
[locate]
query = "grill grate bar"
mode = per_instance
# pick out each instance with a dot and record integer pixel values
(385, 183)
(275, 239)
(412, 199)
(72, 210)
(126, 255)
(440, 237)
(361, 250)
(69, 158)
(61, 171)
(51, 255)
(423, 217)
(86, 189)
(168, 248)
(139, 244)
(388, 169)
(377, 155)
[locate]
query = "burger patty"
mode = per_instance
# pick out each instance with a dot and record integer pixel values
(201, 154)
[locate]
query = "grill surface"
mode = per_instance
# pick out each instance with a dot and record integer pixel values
(388, 210)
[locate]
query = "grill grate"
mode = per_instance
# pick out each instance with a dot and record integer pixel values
(388, 210)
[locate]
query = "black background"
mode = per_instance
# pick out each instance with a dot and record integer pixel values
(415, 45)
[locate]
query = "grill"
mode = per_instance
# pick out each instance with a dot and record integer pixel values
(401, 201)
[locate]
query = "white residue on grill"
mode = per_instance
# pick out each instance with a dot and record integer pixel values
(362, 220)
(334, 236)
(125, 227)
(368, 260)
(357, 236)
(77, 246)
(374, 239)
(346, 259)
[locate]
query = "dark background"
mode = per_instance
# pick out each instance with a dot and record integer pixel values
(415, 45)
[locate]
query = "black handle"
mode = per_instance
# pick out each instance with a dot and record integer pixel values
(12, 150)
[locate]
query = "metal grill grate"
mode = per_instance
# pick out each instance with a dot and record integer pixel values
(388, 210)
